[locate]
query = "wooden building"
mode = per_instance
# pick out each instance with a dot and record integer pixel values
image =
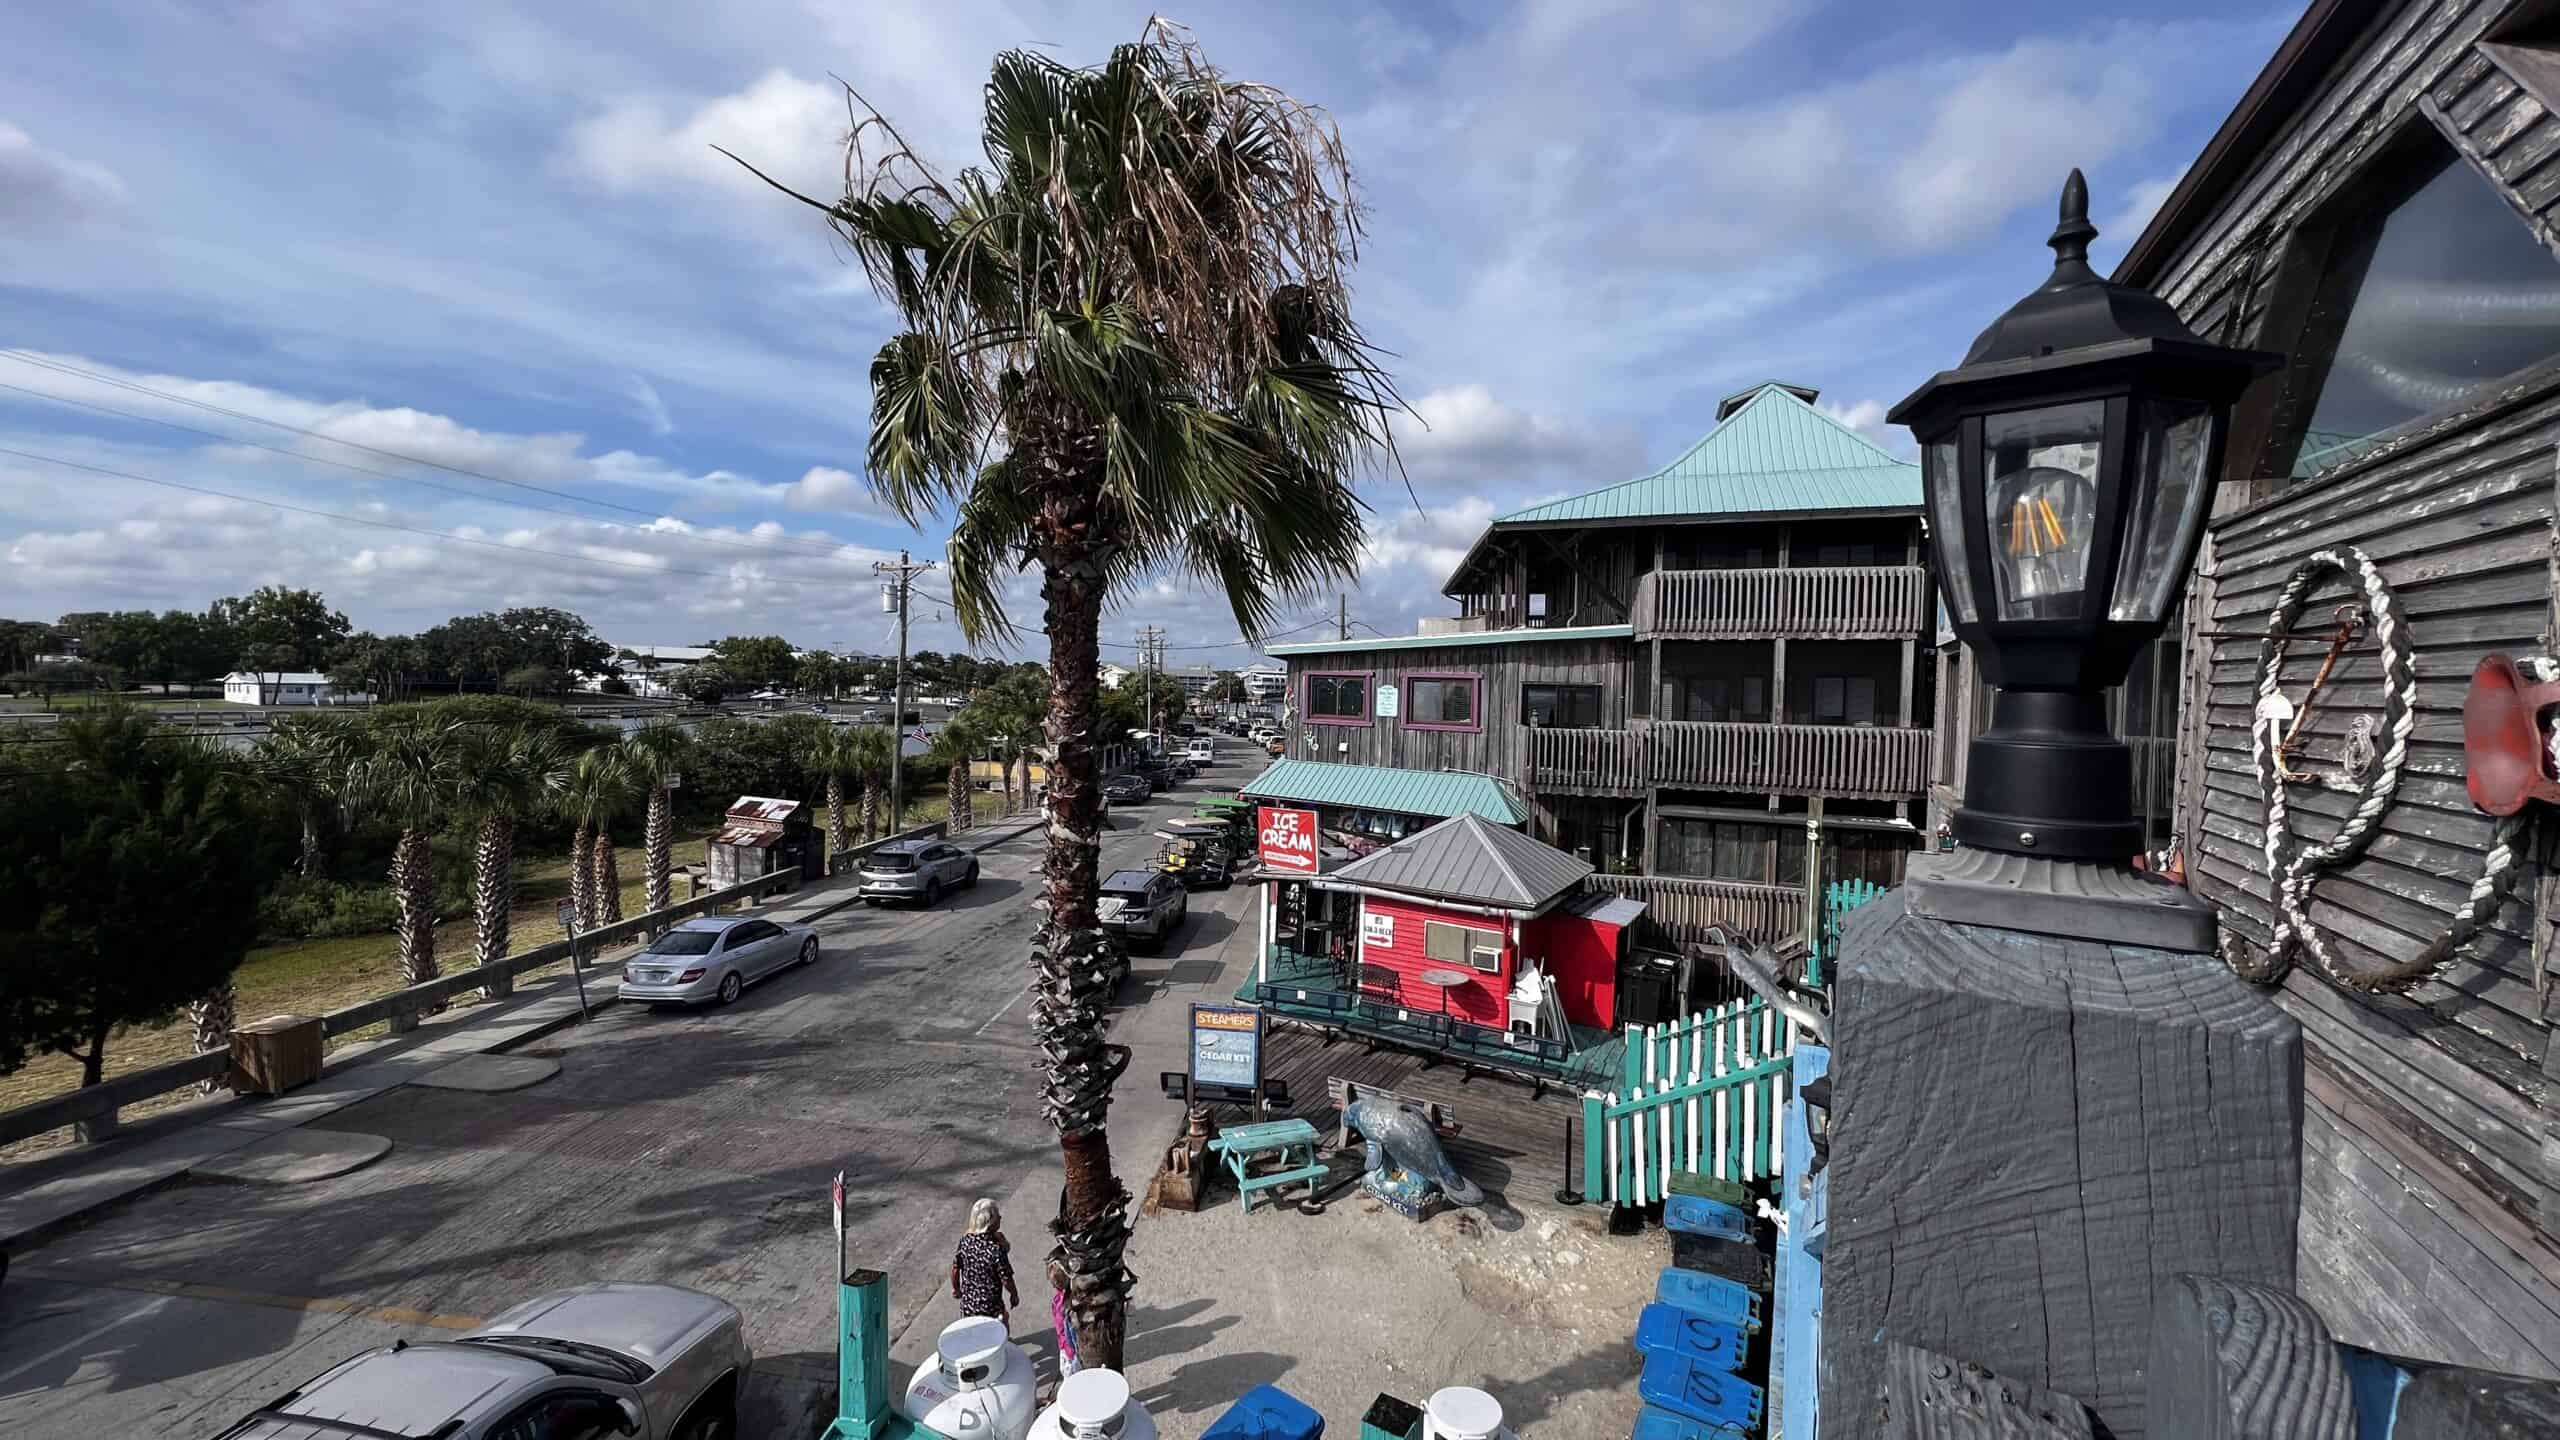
(1675, 668)
(2383, 208)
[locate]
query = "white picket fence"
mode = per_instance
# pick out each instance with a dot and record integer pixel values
(1702, 1093)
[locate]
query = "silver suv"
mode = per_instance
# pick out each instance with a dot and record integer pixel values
(917, 870)
(1142, 907)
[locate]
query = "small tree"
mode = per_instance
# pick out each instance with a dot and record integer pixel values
(506, 777)
(657, 756)
(707, 683)
(150, 857)
(598, 788)
(407, 769)
(838, 758)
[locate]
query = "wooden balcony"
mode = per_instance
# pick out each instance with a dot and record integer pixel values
(1852, 761)
(1679, 909)
(1586, 761)
(1862, 602)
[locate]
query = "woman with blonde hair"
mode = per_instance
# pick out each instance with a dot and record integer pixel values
(982, 1269)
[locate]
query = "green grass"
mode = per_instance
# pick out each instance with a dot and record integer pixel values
(90, 700)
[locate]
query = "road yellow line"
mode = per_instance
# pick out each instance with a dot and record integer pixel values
(317, 1305)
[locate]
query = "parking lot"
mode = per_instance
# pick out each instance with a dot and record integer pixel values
(691, 1147)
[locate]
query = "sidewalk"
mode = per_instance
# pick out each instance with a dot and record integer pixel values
(1525, 1300)
(40, 1195)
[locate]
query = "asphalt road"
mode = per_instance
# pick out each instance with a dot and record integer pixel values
(688, 1147)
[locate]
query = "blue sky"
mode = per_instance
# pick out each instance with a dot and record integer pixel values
(495, 237)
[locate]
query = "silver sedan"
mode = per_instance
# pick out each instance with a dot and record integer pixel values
(655, 1361)
(715, 958)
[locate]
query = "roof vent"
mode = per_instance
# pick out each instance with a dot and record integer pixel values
(1739, 398)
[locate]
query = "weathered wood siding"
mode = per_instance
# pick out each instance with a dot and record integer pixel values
(2428, 1216)
(1500, 746)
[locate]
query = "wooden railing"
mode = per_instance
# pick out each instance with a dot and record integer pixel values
(1860, 602)
(1703, 1095)
(1853, 761)
(1678, 909)
(1601, 760)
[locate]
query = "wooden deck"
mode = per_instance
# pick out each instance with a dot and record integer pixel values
(1510, 1141)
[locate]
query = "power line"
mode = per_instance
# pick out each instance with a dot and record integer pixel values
(1134, 645)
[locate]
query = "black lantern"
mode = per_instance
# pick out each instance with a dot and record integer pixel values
(2069, 463)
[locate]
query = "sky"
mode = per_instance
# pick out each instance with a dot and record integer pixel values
(285, 260)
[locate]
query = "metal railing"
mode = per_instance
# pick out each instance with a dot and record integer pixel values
(1850, 602)
(1856, 761)
(1679, 909)
(1586, 759)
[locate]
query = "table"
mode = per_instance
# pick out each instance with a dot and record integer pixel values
(1444, 981)
(1294, 1141)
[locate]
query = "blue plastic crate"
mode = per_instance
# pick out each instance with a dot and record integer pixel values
(1266, 1412)
(1700, 1392)
(1655, 1423)
(1698, 1215)
(1713, 1296)
(1686, 1332)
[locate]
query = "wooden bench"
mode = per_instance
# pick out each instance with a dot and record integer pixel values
(1293, 1141)
(1443, 1120)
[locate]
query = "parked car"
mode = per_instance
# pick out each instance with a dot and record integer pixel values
(1203, 751)
(655, 1361)
(1143, 907)
(1128, 787)
(918, 870)
(714, 957)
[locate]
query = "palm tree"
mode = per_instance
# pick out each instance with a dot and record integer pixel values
(597, 788)
(508, 776)
(871, 745)
(656, 756)
(305, 757)
(952, 747)
(838, 758)
(1127, 349)
(408, 769)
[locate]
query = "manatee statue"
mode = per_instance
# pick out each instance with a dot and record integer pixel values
(1400, 1136)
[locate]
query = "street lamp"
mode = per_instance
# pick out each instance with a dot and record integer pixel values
(2068, 463)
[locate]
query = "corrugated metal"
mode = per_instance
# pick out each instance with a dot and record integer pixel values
(1377, 787)
(1464, 859)
(1775, 454)
(758, 807)
(1453, 641)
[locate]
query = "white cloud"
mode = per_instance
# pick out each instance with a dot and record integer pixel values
(653, 410)
(2143, 201)
(790, 128)
(826, 488)
(38, 185)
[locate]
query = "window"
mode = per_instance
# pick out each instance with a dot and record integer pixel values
(1339, 699)
(1560, 705)
(2433, 290)
(1719, 849)
(1726, 698)
(1440, 702)
(1734, 549)
(1462, 945)
(1844, 700)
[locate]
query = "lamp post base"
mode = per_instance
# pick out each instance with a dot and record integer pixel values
(2075, 899)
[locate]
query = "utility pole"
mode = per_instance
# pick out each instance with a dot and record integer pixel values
(1150, 639)
(893, 596)
(1341, 616)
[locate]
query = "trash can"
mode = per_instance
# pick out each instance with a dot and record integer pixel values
(271, 1056)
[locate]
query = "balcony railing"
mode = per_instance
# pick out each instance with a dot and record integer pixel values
(1678, 909)
(1855, 761)
(1860, 602)
(1600, 761)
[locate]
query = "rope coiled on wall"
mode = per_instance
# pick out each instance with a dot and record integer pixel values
(2293, 865)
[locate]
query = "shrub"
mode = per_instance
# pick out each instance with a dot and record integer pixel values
(300, 909)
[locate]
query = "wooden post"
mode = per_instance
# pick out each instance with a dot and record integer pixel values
(2235, 1361)
(2030, 1138)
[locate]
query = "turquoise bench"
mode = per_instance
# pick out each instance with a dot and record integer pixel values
(1293, 1141)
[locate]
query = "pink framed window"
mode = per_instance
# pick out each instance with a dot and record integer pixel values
(1453, 701)
(1337, 697)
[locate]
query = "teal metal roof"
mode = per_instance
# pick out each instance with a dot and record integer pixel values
(1469, 637)
(1775, 452)
(1380, 787)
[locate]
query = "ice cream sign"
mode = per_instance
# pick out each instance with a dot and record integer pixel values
(1288, 844)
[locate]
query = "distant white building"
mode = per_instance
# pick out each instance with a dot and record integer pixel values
(1264, 681)
(1114, 676)
(652, 669)
(1195, 680)
(287, 687)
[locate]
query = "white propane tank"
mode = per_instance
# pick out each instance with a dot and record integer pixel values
(979, 1388)
(1094, 1405)
(1462, 1412)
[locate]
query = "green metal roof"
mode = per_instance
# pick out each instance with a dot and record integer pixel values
(1464, 637)
(1775, 452)
(1380, 787)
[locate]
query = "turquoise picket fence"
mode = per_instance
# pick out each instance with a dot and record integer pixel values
(1702, 1093)
(1838, 899)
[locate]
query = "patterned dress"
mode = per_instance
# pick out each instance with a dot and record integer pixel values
(985, 1264)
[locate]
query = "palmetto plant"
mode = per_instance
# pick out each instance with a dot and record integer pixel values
(1127, 350)
(597, 788)
(871, 748)
(507, 775)
(952, 747)
(305, 757)
(408, 770)
(656, 756)
(841, 758)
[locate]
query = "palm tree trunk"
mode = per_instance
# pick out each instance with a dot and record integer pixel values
(870, 813)
(607, 882)
(1078, 964)
(493, 889)
(213, 1017)
(657, 851)
(962, 816)
(309, 864)
(413, 882)
(582, 875)
(838, 842)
